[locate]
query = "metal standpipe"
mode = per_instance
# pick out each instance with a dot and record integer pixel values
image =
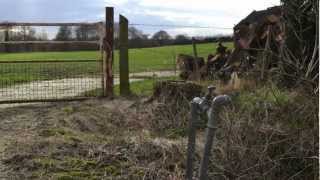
(192, 138)
(198, 106)
(216, 107)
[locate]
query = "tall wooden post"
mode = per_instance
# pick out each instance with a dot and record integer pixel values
(123, 54)
(108, 52)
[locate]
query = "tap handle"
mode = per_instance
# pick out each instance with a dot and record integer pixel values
(210, 92)
(211, 89)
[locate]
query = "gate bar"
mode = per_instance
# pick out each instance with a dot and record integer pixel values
(47, 100)
(48, 24)
(49, 61)
(50, 42)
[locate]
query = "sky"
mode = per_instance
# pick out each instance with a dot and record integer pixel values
(219, 15)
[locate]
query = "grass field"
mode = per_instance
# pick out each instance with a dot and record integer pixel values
(140, 60)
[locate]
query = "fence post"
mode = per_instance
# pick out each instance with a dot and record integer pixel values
(194, 45)
(108, 52)
(123, 54)
(192, 138)
(6, 39)
(195, 53)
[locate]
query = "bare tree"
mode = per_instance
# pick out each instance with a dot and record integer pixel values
(64, 33)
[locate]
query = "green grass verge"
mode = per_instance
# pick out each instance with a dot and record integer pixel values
(139, 88)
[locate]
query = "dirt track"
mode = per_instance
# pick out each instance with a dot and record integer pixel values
(63, 88)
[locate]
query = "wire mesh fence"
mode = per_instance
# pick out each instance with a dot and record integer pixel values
(27, 81)
(154, 48)
(152, 56)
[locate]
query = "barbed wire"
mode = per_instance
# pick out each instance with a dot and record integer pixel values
(178, 26)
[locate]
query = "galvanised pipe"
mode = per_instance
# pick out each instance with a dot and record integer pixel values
(216, 107)
(198, 105)
(192, 138)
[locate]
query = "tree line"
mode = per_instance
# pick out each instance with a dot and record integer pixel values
(137, 38)
(23, 33)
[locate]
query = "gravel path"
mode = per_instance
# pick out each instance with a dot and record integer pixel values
(62, 88)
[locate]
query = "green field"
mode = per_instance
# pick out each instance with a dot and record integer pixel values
(140, 60)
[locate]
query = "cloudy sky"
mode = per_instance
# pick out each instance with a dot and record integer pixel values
(213, 13)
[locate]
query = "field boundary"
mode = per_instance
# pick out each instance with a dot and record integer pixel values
(39, 70)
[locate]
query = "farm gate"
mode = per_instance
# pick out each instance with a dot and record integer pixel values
(53, 79)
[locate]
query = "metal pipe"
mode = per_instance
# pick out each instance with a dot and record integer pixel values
(216, 107)
(192, 137)
(198, 105)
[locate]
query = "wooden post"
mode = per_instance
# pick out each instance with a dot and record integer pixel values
(6, 39)
(194, 45)
(108, 52)
(195, 53)
(123, 55)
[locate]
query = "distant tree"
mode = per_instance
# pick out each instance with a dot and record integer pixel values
(86, 33)
(182, 39)
(135, 33)
(2, 32)
(28, 33)
(64, 33)
(43, 35)
(162, 37)
(24, 33)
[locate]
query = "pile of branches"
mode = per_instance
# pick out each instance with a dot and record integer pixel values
(299, 55)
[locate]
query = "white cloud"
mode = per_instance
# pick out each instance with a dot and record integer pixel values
(205, 12)
(217, 13)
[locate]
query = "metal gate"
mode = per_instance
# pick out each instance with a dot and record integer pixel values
(58, 80)
(50, 80)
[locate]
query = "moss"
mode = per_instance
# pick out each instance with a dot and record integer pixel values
(79, 164)
(68, 109)
(266, 96)
(174, 133)
(112, 170)
(72, 175)
(137, 173)
(53, 132)
(45, 162)
(69, 167)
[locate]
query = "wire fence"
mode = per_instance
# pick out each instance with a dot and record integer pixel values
(152, 56)
(28, 81)
(162, 44)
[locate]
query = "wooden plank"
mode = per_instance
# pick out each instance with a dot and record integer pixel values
(108, 52)
(123, 54)
(48, 24)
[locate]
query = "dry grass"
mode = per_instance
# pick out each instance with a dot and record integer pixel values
(268, 133)
(92, 140)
